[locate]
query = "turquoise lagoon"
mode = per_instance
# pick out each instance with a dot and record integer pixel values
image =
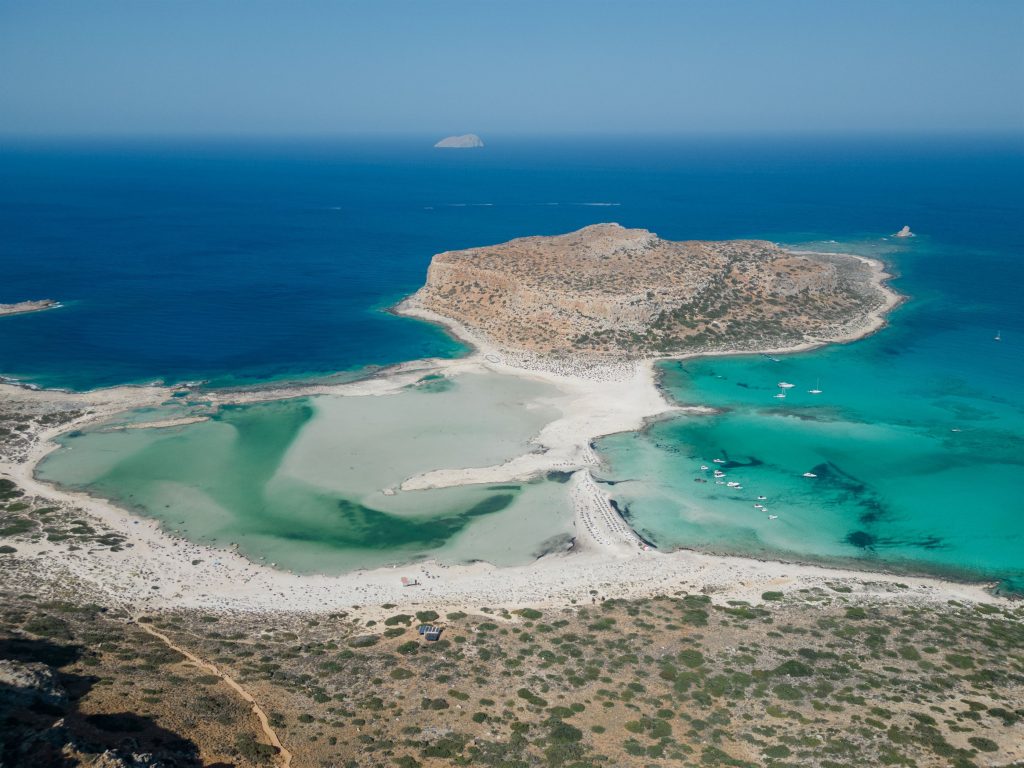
(916, 441)
(307, 483)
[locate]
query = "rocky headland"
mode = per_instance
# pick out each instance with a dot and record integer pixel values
(613, 294)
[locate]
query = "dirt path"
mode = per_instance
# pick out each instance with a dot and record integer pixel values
(284, 755)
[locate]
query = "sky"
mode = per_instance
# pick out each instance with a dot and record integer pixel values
(390, 67)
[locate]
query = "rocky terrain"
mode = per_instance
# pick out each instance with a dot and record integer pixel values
(828, 677)
(616, 293)
(28, 306)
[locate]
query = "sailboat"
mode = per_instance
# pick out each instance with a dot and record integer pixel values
(816, 390)
(999, 336)
(781, 395)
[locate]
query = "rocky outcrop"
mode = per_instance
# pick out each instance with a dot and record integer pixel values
(28, 306)
(26, 684)
(466, 141)
(625, 293)
(905, 232)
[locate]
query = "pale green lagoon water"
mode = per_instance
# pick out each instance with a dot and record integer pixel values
(299, 482)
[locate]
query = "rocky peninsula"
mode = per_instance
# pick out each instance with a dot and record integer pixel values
(612, 294)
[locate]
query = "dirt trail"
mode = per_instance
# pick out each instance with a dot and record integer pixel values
(285, 757)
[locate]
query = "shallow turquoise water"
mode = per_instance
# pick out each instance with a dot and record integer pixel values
(301, 482)
(916, 441)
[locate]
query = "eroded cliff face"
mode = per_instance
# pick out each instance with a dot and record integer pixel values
(625, 293)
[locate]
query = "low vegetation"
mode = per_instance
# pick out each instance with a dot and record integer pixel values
(800, 679)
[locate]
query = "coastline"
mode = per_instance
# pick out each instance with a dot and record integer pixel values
(160, 570)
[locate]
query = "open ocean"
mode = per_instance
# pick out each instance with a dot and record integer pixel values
(239, 263)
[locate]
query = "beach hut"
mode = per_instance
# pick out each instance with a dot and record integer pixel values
(430, 632)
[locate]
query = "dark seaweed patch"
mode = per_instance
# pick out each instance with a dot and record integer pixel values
(861, 539)
(365, 528)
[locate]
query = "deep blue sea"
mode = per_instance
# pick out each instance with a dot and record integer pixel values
(242, 262)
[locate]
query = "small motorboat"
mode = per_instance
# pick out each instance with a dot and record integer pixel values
(762, 498)
(719, 473)
(773, 517)
(809, 474)
(759, 506)
(718, 461)
(733, 484)
(704, 467)
(719, 482)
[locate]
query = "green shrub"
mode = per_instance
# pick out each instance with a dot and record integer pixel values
(793, 668)
(532, 698)
(983, 744)
(691, 657)
(364, 641)
(252, 750)
(959, 660)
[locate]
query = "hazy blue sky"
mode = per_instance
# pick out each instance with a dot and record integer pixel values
(254, 67)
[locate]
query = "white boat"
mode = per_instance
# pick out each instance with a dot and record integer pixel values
(759, 506)
(780, 396)
(809, 474)
(786, 385)
(773, 517)
(732, 484)
(719, 482)
(719, 473)
(998, 336)
(704, 467)
(762, 498)
(718, 461)
(816, 390)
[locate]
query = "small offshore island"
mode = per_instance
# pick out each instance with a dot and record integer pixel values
(465, 141)
(22, 307)
(601, 651)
